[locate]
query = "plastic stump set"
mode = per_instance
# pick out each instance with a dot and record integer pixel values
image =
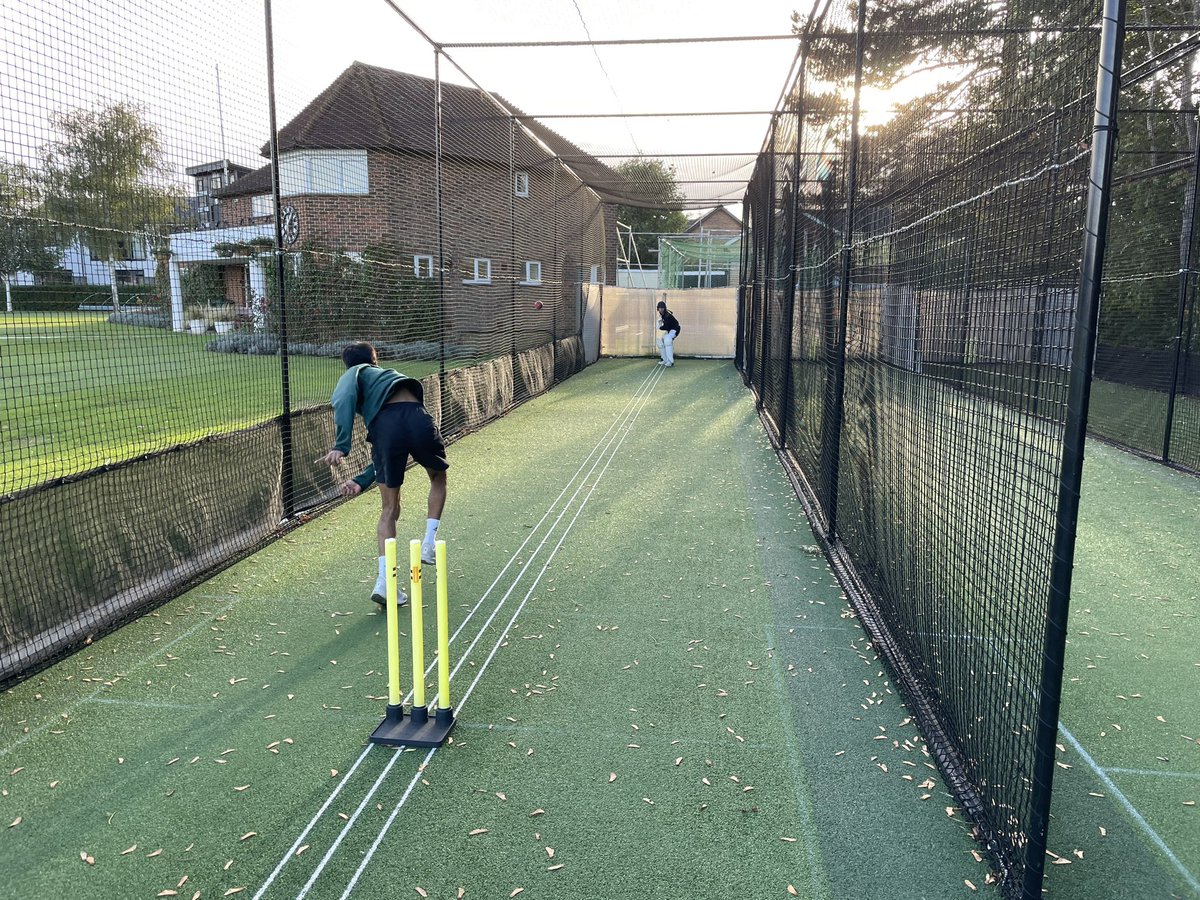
(416, 729)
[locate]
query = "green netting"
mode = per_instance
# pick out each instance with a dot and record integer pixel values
(688, 261)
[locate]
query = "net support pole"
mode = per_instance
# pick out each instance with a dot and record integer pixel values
(437, 181)
(1187, 256)
(1104, 139)
(789, 304)
(764, 320)
(287, 481)
(833, 434)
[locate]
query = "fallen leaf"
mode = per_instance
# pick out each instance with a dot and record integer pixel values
(537, 812)
(478, 831)
(517, 891)
(612, 776)
(15, 822)
(793, 891)
(421, 891)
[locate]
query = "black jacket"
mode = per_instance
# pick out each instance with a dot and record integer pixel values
(669, 322)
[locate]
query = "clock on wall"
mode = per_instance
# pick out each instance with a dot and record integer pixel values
(289, 225)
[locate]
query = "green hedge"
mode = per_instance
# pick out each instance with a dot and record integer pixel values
(64, 297)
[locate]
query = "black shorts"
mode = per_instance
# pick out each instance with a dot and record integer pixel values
(401, 430)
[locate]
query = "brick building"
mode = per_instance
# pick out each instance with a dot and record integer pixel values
(525, 214)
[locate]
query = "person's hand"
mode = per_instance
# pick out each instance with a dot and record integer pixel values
(333, 457)
(350, 488)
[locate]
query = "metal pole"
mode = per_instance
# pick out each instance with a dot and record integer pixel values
(768, 277)
(1185, 279)
(1104, 139)
(834, 433)
(285, 423)
(437, 179)
(789, 324)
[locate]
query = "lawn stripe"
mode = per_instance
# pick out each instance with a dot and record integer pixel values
(1131, 809)
(1153, 773)
(799, 782)
(621, 423)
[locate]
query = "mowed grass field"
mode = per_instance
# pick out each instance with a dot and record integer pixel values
(79, 392)
(660, 688)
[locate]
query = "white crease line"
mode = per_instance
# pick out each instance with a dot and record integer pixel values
(1131, 809)
(499, 641)
(622, 421)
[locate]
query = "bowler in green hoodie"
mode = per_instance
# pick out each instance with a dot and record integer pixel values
(392, 407)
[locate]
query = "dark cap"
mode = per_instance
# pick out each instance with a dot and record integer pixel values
(661, 305)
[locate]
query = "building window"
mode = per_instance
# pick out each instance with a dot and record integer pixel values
(323, 172)
(423, 266)
(261, 206)
(533, 272)
(481, 271)
(131, 276)
(595, 275)
(521, 184)
(131, 248)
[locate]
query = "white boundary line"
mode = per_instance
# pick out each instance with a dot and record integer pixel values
(620, 423)
(1132, 810)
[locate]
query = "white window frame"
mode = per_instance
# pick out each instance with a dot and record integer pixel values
(482, 267)
(594, 275)
(261, 206)
(533, 272)
(327, 172)
(422, 265)
(521, 184)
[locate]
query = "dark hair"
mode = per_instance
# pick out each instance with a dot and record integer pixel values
(359, 353)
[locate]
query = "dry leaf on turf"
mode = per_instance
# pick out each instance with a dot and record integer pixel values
(793, 891)
(612, 776)
(478, 831)
(517, 891)
(421, 891)
(232, 891)
(968, 883)
(537, 812)
(550, 852)
(15, 822)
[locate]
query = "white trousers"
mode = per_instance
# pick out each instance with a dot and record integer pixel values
(666, 348)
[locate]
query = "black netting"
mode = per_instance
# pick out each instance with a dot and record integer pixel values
(916, 223)
(176, 308)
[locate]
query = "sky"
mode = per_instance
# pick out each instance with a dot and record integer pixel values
(167, 55)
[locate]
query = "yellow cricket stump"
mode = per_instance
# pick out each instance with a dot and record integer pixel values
(419, 730)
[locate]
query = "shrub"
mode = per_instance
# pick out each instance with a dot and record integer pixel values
(63, 297)
(146, 318)
(245, 342)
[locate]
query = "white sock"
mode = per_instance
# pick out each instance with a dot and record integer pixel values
(431, 527)
(381, 581)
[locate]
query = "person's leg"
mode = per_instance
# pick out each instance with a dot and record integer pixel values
(661, 347)
(437, 502)
(389, 512)
(669, 348)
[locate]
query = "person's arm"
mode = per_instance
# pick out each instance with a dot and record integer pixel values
(365, 478)
(344, 402)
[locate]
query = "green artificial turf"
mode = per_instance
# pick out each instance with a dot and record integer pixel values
(1131, 695)
(684, 706)
(79, 392)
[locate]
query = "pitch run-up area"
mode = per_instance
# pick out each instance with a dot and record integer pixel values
(659, 688)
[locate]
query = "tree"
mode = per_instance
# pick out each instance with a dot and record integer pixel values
(22, 237)
(106, 181)
(656, 181)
